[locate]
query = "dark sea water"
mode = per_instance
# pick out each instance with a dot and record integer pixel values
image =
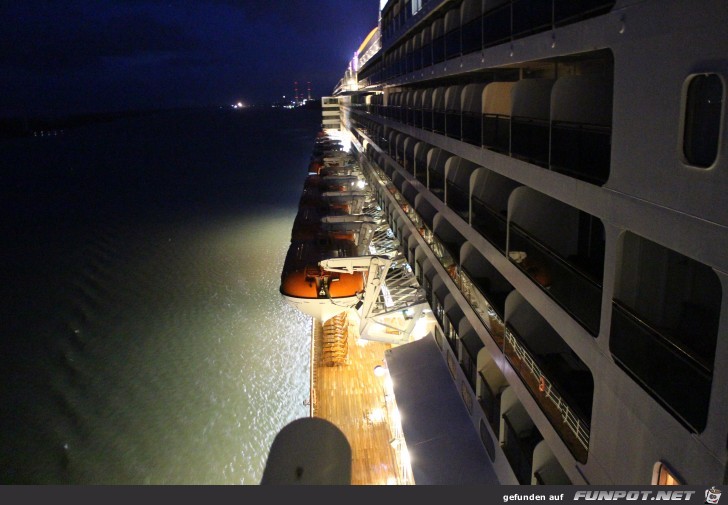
(142, 335)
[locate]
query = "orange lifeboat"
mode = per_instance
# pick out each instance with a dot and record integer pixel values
(325, 228)
(313, 290)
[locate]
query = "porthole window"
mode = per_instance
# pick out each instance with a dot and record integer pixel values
(701, 131)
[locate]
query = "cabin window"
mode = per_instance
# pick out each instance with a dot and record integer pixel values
(663, 476)
(703, 106)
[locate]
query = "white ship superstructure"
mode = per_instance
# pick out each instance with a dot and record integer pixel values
(555, 174)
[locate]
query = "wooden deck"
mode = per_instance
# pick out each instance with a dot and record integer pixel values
(351, 396)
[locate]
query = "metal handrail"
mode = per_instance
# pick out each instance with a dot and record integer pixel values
(578, 426)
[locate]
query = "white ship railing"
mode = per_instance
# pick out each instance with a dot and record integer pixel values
(578, 427)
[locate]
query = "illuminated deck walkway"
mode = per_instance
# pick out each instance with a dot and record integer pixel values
(353, 398)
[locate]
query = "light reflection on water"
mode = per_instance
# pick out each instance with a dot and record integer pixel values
(198, 366)
(153, 350)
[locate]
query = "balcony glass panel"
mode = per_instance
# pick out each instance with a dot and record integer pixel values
(450, 333)
(530, 17)
(530, 140)
(457, 200)
(497, 132)
(417, 59)
(397, 113)
(563, 389)
(404, 114)
(438, 49)
(436, 183)
(417, 118)
(438, 310)
(427, 54)
(581, 151)
(490, 224)
(442, 253)
(453, 127)
(452, 43)
(490, 403)
(485, 311)
(471, 36)
(576, 292)
(570, 11)
(675, 378)
(518, 449)
(471, 125)
(427, 119)
(493, 300)
(409, 164)
(421, 174)
(438, 121)
(497, 25)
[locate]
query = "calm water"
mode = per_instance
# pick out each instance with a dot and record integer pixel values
(144, 339)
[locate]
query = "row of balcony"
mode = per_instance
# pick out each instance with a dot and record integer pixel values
(576, 143)
(563, 417)
(569, 271)
(467, 27)
(680, 333)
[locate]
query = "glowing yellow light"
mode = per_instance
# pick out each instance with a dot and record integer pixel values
(396, 417)
(405, 455)
(376, 415)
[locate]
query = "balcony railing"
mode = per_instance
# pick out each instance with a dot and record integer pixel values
(452, 43)
(438, 49)
(453, 126)
(571, 427)
(438, 121)
(578, 150)
(530, 140)
(436, 183)
(471, 36)
(508, 21)
(483, 307)
(490, 403)
(518, 448)
(457, 200)
(581, 151)
(530, 17)
(471, 126)
(490, 224)
(497, 132)
(670, 374)
(467, 363)
(427, 119)
(576, 292)
(442, 254)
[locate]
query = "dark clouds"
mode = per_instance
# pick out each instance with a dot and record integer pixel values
(79, 56)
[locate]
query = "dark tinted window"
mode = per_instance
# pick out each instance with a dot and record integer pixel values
(702, 119)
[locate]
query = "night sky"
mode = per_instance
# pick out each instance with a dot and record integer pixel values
(61, 57)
